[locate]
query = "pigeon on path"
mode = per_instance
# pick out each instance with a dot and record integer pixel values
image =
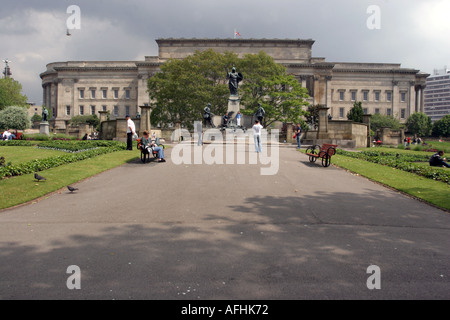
(39, 178)
(71, 189)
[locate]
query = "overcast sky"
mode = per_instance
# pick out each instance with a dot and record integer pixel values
(414, 33)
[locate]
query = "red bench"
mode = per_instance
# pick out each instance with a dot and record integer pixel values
(325, 152)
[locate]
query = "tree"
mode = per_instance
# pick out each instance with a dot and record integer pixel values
(10, 94)
(356, 113)
(14, 118)
(378, 121)
(441, 128)
(419, 123)
(184, 87)
(267, 83)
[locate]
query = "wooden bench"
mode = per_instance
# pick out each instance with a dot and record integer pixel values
(325, 152)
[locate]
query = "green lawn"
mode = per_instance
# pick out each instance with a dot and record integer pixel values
(21, 189)
(431, 191)
(17, 155)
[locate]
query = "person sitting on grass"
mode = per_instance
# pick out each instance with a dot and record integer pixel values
(436, 160)
(149, 146)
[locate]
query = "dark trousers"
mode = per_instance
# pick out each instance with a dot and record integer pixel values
(129, 141)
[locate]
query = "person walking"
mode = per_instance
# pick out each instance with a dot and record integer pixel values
(131, 130)
(257, 129)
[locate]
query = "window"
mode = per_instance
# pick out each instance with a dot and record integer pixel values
(81, 93)
(341, 112)
(389, 96)
(104, 108)
(365, 95)
(353, 95)
(81, 110)
(341, 95)
(116, 111)
(366, 111)
(377, 110)
(403, 113)
(127, 110)
(92, 94)
(104, 93)
(127, 94)
(377, 96)
(116, 94)
(67, 110)
(403, 97)
(93, 110)
(388, 112)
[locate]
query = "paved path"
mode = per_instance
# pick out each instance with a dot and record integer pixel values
(165, 231)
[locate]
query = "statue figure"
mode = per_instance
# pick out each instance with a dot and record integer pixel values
(207, 116)
(44, 115)
(233, 81)
(260, 113)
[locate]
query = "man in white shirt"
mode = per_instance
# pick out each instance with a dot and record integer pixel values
(257, 128)
(131, 129)
(6, 135)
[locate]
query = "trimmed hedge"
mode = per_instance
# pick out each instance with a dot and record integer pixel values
(404, 162)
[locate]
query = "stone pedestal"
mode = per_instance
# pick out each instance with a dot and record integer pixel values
(44, 128)
(234, 105)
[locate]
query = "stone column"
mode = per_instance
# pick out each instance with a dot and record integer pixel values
(366, 120)
(289, 132)
(322, 133)
(395, 100)
(416, 105)
(422, 99)
(145, 124)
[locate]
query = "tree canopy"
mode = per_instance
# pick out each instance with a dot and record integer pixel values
(11, 93)
(441, 128)
(419, 123)
(184, 87)
(356, 112)
(378, 121)
(14, 117)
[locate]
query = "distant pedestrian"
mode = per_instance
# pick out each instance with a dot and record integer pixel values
(405, 142)
(409, 141)
(131, 130)
(257, 129)
(238, 118)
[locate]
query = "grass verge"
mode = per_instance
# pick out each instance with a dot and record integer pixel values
(17, 155)
(434, 192)
(22, 189)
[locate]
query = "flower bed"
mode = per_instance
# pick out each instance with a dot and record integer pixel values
(413, 163)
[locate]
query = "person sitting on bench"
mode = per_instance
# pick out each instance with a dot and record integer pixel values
(149, 146)
(436, 160)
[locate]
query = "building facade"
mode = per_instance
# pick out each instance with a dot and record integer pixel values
(437, 95)
(120, 87)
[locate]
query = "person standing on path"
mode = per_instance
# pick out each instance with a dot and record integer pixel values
(298, 133)
(131, 130)
(257, 128)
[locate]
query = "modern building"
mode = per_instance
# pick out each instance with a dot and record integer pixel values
(120, 87)
(437, 95)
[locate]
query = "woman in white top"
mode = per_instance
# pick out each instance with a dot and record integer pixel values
(257, 128)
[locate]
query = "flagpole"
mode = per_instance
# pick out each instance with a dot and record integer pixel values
(235, 33)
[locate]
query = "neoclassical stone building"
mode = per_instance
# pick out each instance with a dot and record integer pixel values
(120, 87)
